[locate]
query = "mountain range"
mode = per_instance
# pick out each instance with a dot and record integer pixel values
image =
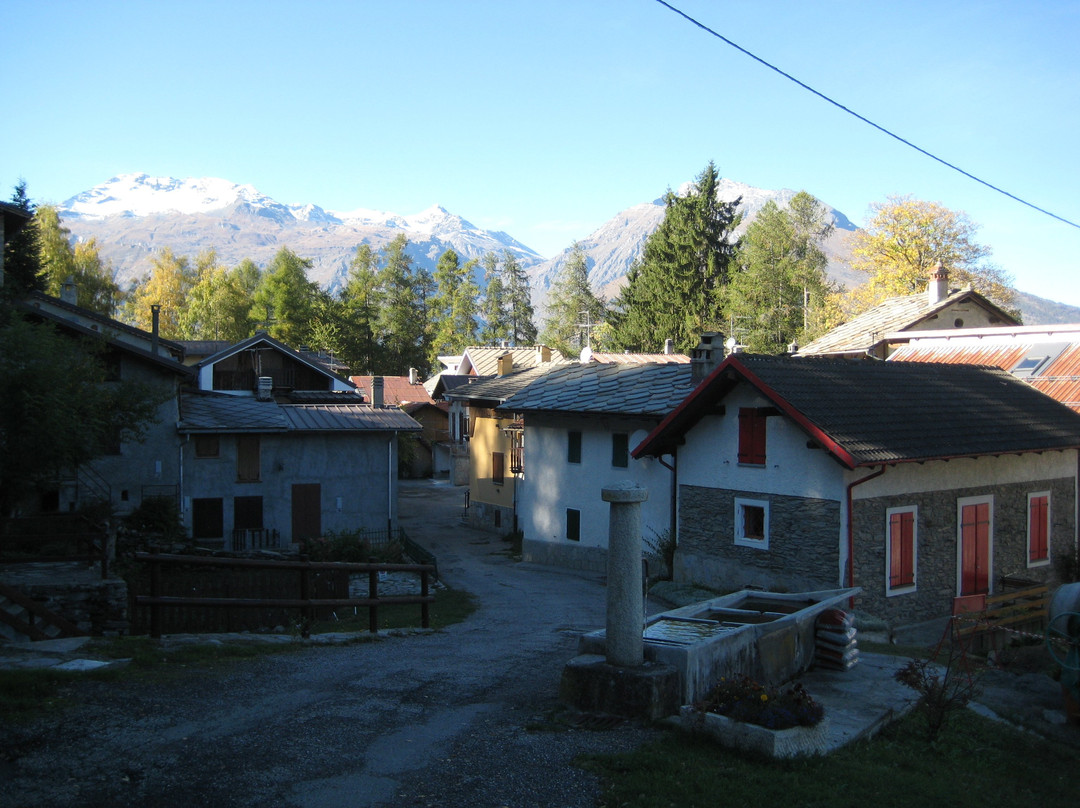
(133, 216)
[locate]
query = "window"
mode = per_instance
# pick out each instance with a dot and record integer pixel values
(1038, 528)
(573, 524)
(247, 459)
(901, 560)
(573, 447)
(247, 513)
(975, 516)
(207, 446)
(206, 520)
(752, 523)
(751, 436)
(498, 475)
(620, 450)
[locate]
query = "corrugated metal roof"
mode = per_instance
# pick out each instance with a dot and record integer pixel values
(215, 412)
(484, 360)
(640, 358)
(348, 417)
(606, 389)
(1061, 378)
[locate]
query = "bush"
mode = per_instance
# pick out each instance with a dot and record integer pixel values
(156, 519)
(745, 700)
(352, 546)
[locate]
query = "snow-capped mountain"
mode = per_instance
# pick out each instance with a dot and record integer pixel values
(134, 215)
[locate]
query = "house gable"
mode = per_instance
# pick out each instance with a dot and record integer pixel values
(237, 369)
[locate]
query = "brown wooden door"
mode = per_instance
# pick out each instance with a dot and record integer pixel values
(975, 549)
(306, 511)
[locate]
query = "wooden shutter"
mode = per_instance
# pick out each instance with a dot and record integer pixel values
(498, 461)
(1038, 529)
(751, 436)
(247, 459)
(901, 549)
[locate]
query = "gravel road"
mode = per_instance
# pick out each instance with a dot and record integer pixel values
(437, 719)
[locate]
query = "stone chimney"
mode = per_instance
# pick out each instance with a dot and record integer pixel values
(505, 364)
(69, 292)
(707, 355)
(377, 392)
(543, 353)
(414, 376)
(938, 288)
(669, 346)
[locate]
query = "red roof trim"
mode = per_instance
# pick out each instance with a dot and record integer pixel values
(690, 410)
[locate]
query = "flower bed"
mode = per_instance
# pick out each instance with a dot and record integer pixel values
(742, 714)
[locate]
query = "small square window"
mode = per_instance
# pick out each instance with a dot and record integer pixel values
(207, 446)
(752, 523)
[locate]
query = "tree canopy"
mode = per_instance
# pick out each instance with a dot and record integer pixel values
(677, 289)
(907, 238)
(779, 290)
(572, 306)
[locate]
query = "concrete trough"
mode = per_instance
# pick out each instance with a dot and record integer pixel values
(768, 636)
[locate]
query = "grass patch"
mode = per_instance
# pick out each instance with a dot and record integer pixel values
(974, 762)
(27, 693)
(451, 606)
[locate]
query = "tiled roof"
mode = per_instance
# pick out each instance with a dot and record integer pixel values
(1059, 378)
(870, 412)
(639, 358)
(211, 412)
(396, 389)
(484, 360)
(862, 333)
(606, 388)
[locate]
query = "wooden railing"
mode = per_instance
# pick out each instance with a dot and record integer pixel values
(1014, 612)
(301, 599)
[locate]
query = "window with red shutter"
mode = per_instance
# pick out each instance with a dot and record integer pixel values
(901, 549)
(751, 436)
(1038, 528)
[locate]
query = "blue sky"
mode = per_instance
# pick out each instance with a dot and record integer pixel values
(545, 119)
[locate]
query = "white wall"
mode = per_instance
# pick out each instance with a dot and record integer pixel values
(551, 485)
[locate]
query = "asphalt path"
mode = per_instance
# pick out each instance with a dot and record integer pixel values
(465, 716)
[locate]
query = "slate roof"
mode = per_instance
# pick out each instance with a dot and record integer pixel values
(862, 333)
(494, 390)
(202, 412)
(624, 389)
(639, 358)
(869, 412)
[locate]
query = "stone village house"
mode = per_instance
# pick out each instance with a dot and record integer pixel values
(919, 483)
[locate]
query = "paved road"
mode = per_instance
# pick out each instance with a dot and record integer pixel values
(440, 719)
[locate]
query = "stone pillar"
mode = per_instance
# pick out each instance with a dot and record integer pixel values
(625, 602)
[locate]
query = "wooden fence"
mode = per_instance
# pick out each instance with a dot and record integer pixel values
(270, 589)
(997, 618)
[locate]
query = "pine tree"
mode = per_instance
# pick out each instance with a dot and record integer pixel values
(496, 328)
(401, 321)
(285, 299)
(677, 288)
(453, 308)
(518, 301)
(360, 304)
(219, 304)
(779, 284)
(22, 253)
(571, 304)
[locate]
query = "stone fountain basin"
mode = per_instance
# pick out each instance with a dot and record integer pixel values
(768, 636)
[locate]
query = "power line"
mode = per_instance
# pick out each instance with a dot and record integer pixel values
(865, 120)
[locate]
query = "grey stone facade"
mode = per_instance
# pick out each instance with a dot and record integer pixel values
(486, 516)
(937, 530)
(803, 550)
(568, 555)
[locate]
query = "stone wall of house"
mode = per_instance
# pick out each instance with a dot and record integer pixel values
(797, 557)
(486, 516)
(936, 553)
(568, 555)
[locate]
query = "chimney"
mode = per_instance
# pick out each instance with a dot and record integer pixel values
(938, 288)
(155, 323)
(69, 292)
(377, 392)
(544, 352)
(414, 376)
(264, 390)
(707, 355)
(506, 364)
(669, 346)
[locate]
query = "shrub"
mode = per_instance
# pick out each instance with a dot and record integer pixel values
(352, 546)
(743, 699)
